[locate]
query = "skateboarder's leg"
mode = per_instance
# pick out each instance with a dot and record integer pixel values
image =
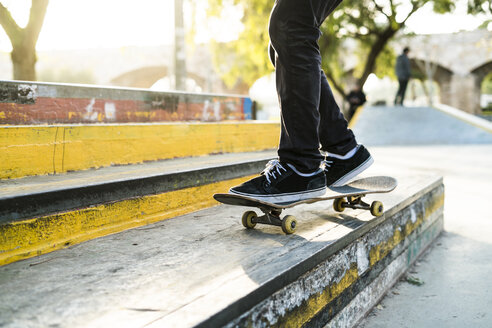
(294, 31)
(302, 88)
(345, 159)
(335, 136)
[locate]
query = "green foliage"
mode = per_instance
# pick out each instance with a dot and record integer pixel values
(385, 63)
(370, 24)
(331, 49)
(487, 84)
(246, 58)
(485, 24)
(443, 6)
(479, 6)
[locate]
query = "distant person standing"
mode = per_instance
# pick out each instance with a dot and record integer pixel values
(403, 72)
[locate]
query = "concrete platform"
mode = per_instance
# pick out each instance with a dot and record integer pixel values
(204, 269)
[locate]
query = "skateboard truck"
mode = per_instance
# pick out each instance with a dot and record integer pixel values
(271, 217)
(355, 202)
(346, 196)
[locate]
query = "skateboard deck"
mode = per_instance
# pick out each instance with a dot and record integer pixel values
(346, 196)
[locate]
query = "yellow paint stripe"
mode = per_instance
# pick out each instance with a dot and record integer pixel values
(379, 252)
(301, 315)
(354, 118)
(25, 239)
(39, 150)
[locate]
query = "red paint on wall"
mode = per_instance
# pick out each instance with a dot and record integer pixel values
(86, 110)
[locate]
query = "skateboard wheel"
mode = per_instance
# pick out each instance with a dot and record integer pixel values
(289, 224)
(337, 204)
(377, 208)
(247, 219)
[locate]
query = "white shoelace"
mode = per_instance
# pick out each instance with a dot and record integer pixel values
(326, 164)
(272, 168)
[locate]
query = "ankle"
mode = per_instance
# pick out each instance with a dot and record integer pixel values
(305, 173)
(347, 155)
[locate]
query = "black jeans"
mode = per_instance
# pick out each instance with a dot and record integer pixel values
(400, 95)
(309, 113)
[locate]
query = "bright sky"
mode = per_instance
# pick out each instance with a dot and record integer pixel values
(76, 24)
(425, 21)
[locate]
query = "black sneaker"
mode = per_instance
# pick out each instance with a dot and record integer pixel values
(340, 171)
(281, 183)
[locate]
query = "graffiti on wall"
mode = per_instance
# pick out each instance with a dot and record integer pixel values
(23, 104)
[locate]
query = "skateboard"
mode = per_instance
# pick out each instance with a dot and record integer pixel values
(346, 196)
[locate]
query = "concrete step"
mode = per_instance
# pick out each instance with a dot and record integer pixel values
(204, 269)
(44, 213)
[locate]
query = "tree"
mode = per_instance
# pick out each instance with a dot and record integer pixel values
(372, 24)
(479, 6)
(24, 39)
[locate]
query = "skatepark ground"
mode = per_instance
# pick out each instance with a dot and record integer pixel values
(448, 286)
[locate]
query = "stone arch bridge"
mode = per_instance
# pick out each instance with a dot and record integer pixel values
(458, 62)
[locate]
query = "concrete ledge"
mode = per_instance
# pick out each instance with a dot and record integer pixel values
(332, 286)
(42, 214)
(204, 269)
(40, 150)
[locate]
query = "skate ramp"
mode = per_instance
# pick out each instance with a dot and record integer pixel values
(393, 126)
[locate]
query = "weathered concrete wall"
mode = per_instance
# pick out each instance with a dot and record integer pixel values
(43, 103)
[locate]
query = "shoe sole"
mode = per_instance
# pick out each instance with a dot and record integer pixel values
(285, 198)
(355, 172)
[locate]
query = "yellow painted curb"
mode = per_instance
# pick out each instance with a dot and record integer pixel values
(39, 150)
(25, 239)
